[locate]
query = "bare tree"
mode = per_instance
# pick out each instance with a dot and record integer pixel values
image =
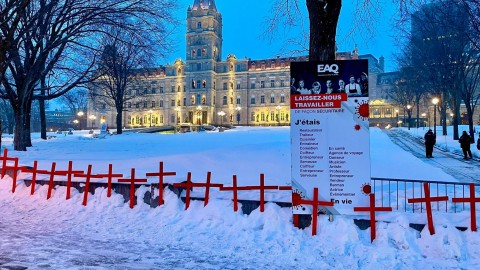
(120, 66)
(323, 18)
(56, 40)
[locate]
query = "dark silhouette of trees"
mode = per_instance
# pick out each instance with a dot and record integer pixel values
(52, 46)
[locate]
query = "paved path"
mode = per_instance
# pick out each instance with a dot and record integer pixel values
(451, 163)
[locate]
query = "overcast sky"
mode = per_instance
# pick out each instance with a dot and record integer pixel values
(243, 27)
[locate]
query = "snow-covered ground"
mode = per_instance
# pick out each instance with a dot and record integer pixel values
(107, 234)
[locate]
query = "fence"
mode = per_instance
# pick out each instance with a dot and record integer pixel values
(396, 192)
(385, 194)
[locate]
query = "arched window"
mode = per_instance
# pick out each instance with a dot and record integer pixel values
(199, 25)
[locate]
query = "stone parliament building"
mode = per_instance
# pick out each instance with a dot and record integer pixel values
(203, 89)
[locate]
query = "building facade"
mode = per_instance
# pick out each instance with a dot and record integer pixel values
(203, 89)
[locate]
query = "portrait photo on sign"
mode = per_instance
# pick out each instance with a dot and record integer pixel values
(332, 77)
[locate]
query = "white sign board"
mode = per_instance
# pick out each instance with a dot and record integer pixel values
(330, 134)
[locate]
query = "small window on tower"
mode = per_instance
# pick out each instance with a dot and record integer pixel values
(204, 52)
(199, 25)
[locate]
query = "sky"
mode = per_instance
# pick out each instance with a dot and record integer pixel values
(107, 234)
(243, 28)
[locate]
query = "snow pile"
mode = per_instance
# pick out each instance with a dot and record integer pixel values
(107, 234)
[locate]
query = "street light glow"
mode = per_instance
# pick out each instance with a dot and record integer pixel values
(435, 101)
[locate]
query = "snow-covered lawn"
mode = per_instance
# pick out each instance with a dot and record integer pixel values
(107, 234)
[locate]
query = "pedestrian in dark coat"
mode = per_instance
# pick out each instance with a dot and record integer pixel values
(429, 143)
(465, 142)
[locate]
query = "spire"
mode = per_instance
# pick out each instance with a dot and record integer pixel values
(204, 4)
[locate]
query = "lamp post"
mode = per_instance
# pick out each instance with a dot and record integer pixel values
(221, 114)
(92, 117)
(435, 102)
(150, 112)
(80, 115)
(238, 109)
(409, 115)
(177, 109)
(278, 107)
(396, 113)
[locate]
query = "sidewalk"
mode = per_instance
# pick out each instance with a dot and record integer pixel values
(466, 171)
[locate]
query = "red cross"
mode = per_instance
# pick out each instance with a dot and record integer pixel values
(5, 158)
(52, 174)
(472, 200)
(87, 176)
(132, 181)
(110, 176)
(161, 173)
(187, 185)
(262, 189)
(428, 200)
(70, 172)
(207, 187)
(372, 209)
(34, 172)
(234, 188)
(15, 168)
(315, 203)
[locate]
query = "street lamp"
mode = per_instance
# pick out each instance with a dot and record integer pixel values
(177, 109)
(150, 115)
(92, 117)
(221, 114)
(396, 112)
(409, 115)
(435, 102)
(238, 109)
(76, 122)
(80, 115)
(278, 107)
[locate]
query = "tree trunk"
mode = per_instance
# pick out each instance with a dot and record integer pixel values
(119, 119)
(456, 116)
(43, 117)
(323, 16)
(470, 120)
(443, 119)
(22, 118)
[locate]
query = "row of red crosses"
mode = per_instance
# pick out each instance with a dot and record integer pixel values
(188, 185)
(161, 174)
(372, 209)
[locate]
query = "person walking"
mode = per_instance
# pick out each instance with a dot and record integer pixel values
(429, 143)
(465, 142)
